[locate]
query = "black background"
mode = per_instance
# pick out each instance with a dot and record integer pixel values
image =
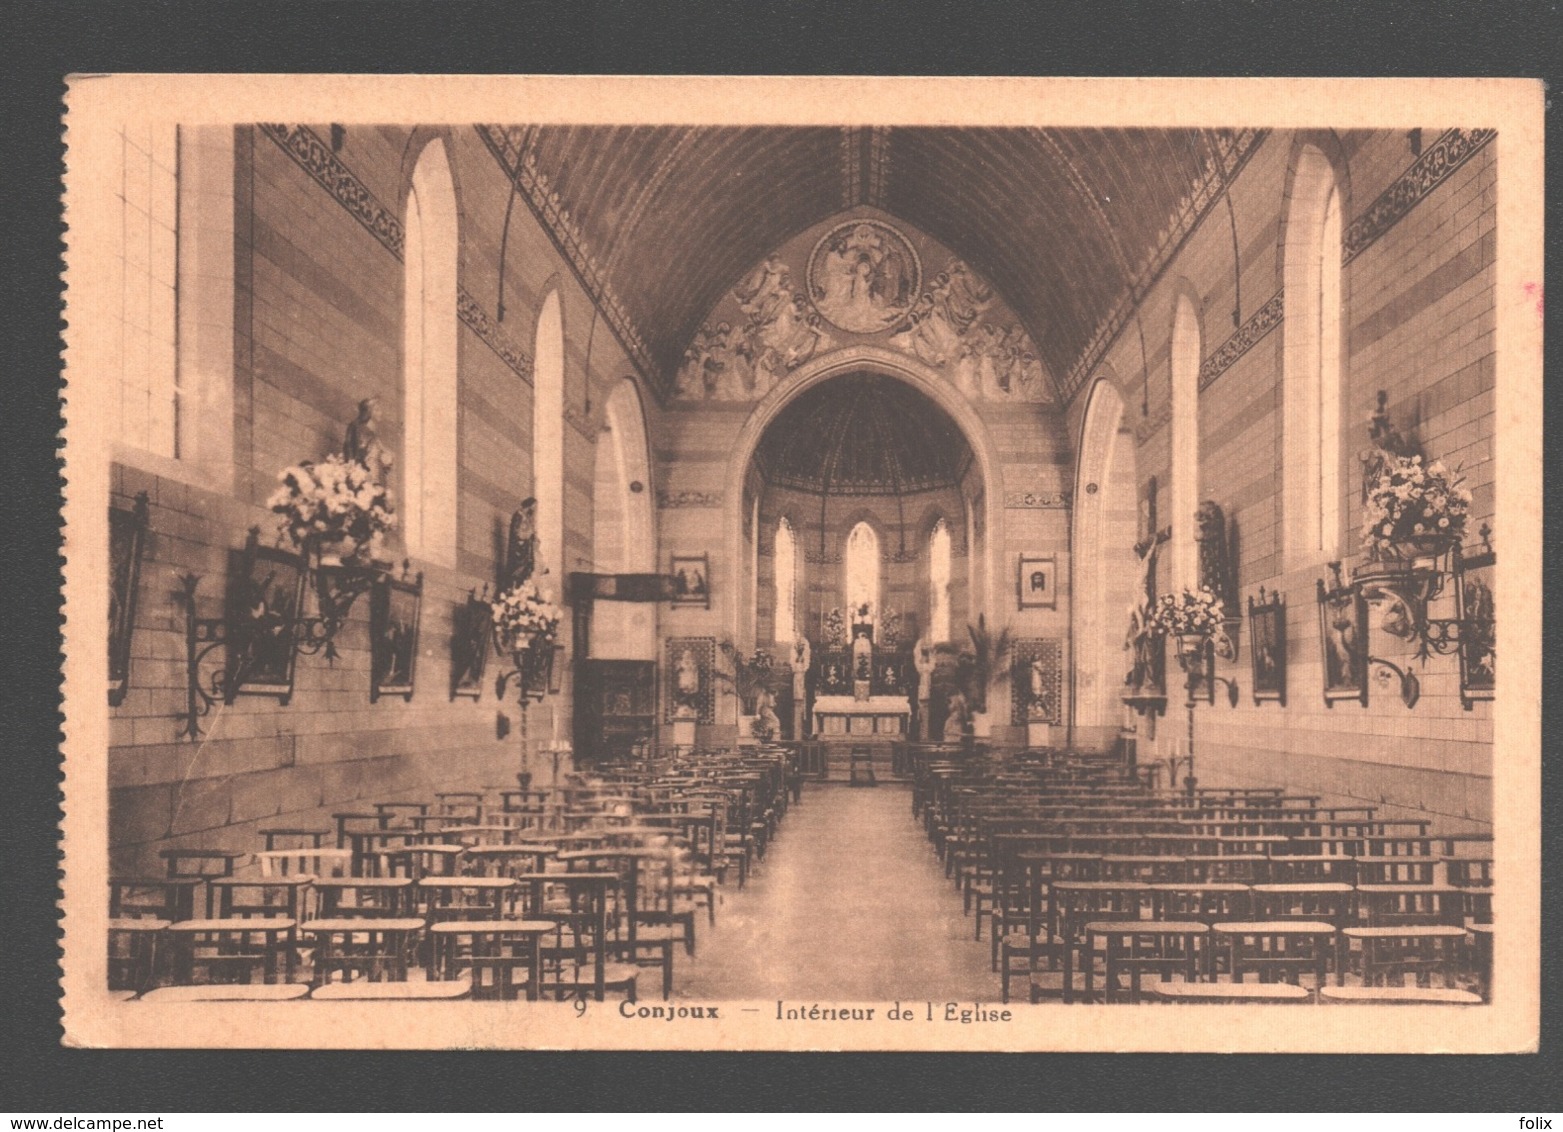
(45, 41)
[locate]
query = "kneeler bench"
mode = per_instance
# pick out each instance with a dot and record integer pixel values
(1230, 992)
(1402, 995)
(359, 991)
(229, 992)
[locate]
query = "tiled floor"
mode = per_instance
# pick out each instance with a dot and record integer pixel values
(850, 904)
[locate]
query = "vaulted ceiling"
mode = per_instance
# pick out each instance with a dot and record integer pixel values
(862, 434)
(1071, 225)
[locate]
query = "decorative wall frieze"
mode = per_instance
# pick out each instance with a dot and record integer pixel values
(816, 558)
(1037, 500)
(493, 335)
(313, 155)
(1259, 324)
(668, 500)
(1231, 151)
(520, 165)
(1426, 173)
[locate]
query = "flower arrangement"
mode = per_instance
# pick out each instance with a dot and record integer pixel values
(524, 616)
(1411, 504)
(889, 629)
(836, 629)
(1190, 613)
(335, 501)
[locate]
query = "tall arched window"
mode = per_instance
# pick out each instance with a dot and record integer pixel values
(548, 432)
(939, 582)
(1185, 443)
(429, 389)
(862, 565)
(1312, 277)
(786, 583)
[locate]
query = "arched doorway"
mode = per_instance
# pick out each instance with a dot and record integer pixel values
(623, 538)
(987, 501)
(859, 468)
(1104, 564)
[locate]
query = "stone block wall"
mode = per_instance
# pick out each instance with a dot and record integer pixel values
(1418, 322)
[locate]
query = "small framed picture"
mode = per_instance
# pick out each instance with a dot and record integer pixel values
(691, 580)
(394, 605)
(1037, 581)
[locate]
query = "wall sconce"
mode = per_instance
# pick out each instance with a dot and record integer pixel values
(538, 672)
(262, 629)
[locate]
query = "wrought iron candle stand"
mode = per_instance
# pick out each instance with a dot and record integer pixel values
(262, 631)
(537, 674)
(1197, 658)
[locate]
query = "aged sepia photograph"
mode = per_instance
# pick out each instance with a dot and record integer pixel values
(764, 563)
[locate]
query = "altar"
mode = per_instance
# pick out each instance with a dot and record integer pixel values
(873, 717)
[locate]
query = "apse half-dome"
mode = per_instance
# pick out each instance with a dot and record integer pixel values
(863, 434)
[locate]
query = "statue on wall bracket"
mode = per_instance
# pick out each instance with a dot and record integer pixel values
(1216, 537)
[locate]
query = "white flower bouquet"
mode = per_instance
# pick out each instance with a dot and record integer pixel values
(835, 628)
(525, 615)
(1190, 613)
(334, 506)
(1416, 506)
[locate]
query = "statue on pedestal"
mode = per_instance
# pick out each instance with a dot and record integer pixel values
(521, 549)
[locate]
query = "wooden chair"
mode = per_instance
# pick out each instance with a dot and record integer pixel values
(1134, 948)
(502, 957)
(1277, 949)
(234, 950)
(576, 958)
(377, 949)
(137, 931)
(364, 897)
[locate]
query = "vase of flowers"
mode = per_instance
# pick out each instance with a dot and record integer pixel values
(525, 619)
(333, 510)
(1192, 616)
(1414, 511)
(835, 629)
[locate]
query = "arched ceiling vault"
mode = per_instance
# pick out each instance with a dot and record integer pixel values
(1071, 225)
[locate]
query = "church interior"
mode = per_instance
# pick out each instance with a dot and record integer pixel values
(696, 563)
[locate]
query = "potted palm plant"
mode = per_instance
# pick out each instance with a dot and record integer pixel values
(752, 679)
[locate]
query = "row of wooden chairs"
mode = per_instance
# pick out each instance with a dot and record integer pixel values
(1077, 864)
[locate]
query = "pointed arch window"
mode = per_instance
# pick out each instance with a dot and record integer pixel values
(786, 583)
(862, 567)
(1185, 442)
(429, 389)
(939, 582)
(1312, 360)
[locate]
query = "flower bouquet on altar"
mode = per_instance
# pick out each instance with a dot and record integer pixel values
(1414, 511)
(333, 508)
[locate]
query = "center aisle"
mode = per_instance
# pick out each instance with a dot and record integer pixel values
(850, 904)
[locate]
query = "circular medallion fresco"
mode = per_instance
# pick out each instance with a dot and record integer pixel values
(864, 276)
